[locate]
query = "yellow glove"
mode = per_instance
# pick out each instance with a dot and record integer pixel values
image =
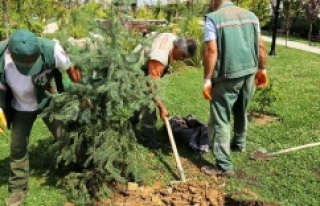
(261, 78)
(207, 89)
(3, 122)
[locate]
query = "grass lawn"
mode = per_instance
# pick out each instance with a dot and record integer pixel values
(291, 179)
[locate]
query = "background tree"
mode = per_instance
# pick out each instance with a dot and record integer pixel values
(145, 13)
(22, 14)
(237, 2)
(312, 9)
(260, 7)
(5, 17)
(174, 11)
(291, 9)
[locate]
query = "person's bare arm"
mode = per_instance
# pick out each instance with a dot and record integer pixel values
(155, 70)
(261, 77)
(262, 54)
(210, 58)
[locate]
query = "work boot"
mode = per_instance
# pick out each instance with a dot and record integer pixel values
(241, 150)
(216, 171)
(16, 198)
(235, 148)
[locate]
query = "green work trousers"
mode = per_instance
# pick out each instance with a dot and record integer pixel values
(19, 160)
(229, 96)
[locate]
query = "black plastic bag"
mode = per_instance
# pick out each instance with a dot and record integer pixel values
(191, 132)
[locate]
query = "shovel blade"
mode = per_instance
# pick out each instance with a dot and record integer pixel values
(260, 155)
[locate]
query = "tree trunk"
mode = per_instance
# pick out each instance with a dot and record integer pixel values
(5, 17)
(309, 34)
(18, 6)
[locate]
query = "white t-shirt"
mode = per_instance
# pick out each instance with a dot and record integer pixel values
(23, 88)
(161, 47)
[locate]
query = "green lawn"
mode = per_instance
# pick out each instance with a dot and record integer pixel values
(290, 179)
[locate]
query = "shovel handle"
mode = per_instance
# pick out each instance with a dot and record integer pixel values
(174, 149)
(295, 148)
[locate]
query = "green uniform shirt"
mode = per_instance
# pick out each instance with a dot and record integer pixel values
(237, 41)
(41, 80)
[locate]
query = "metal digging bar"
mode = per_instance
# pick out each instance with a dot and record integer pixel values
(262, 153)
(175, 152)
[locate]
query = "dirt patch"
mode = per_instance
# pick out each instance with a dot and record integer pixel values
(179, 194)
(229, 201)
(190, 193)
(316, 173)
(260, 155)
(208, 192)
(262, 119)
(240, 174)
(245, 197)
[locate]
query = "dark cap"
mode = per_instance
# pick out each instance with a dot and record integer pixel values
(24, 47)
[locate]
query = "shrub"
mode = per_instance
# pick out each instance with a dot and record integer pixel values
(263, 99)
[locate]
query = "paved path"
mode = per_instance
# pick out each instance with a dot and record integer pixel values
(293, 44)
(50, 28)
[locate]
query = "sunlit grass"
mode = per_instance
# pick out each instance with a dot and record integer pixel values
(291, 179)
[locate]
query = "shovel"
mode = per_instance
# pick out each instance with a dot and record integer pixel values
(174, 149)
(262, 153)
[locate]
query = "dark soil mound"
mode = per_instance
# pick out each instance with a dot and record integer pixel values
(229, 201)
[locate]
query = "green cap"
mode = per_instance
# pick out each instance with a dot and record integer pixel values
(24, 47)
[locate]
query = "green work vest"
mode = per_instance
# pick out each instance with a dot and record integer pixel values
(47, 55)
(237, 42)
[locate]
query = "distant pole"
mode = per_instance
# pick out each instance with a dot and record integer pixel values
(275, 27)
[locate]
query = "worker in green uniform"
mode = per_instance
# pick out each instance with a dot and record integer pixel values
(234, 61)
(27, 65)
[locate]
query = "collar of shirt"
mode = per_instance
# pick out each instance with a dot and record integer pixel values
(8, 60)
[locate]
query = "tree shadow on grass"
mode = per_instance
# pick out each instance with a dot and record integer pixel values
(4, 172)
(42, 161)
(41, 164)
(186, 155)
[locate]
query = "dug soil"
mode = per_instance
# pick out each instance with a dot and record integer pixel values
(209, 191)
(263, 119)
(190, 193)
(202, 191)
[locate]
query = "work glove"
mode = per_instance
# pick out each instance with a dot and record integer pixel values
(3, 122)
(261, 78)
(74, 74)
(207, 89)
